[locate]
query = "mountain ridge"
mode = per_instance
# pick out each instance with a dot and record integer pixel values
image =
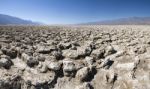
(122, 21)
(12, 20)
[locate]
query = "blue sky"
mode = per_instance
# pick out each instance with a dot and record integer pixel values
(74, 11)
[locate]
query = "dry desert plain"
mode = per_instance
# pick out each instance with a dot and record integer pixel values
(75, 57)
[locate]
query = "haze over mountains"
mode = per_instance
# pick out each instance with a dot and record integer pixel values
(10, 20)
(124, 21)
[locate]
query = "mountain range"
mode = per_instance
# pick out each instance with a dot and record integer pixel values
(11, 20)
(123, 21)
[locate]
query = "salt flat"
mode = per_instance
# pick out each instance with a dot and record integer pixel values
(75, 57)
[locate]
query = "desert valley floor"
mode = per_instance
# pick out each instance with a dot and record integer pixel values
(75, 57)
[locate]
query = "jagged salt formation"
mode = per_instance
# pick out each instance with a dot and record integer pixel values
(74, 57)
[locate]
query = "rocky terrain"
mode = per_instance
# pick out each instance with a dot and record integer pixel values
(75, 57)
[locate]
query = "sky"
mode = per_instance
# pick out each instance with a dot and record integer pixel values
(74, 11)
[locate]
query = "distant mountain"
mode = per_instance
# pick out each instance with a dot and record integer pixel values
(10, 20)
(123, 21)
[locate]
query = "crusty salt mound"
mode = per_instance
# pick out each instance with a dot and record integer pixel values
(75, 57)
